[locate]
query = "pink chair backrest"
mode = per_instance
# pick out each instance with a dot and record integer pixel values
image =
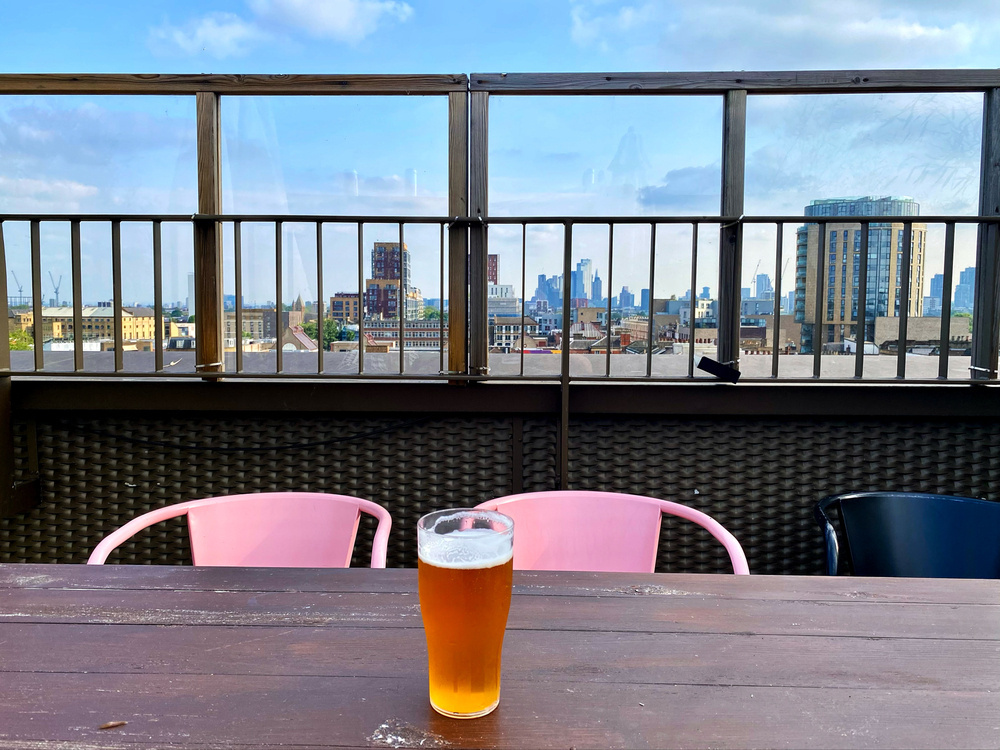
(598, 531)
(268, 529)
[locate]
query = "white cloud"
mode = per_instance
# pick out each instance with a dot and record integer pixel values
(341, 20)
(221, 35)
(771, 34)
(218, 35)
(35, 195)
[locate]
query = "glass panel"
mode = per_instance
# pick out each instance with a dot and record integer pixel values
(604, 155)
(344, 155)
(905, 155)
(92, 155)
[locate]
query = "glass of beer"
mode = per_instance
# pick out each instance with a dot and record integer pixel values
(465, 562)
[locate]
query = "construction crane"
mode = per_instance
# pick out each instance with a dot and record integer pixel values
(753, 280)
(56, 285)
(20, 289)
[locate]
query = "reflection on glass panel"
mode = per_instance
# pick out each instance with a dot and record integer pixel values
(343, 155)
(604, 156)
(97, 155)
(899, 155)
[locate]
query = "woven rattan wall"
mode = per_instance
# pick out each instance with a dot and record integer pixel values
(759, 478)
(96, 474)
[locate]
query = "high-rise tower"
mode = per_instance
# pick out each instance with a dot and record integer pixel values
(841, 267)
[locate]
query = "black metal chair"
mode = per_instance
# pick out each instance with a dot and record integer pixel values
(913, 534)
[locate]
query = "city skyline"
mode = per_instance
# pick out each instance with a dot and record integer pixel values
(548, 156)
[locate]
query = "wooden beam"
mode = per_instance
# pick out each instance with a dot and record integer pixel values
(208, 238)
(734, 138)
(478, 208)
(5, 338)
(254, 85)
(760, 82)
(458, 243)
(985, 323)
(985, 315)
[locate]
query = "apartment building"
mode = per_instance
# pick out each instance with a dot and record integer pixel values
(97, 322)
(841, 264)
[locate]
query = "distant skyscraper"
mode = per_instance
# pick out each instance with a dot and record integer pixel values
(644, 299)
(705, 293)
(390, 268)
(585, 268)
(626, 298)
(492, 268)
(937, 286)
(597, 289)
(841, 264)
(764, 287)
(190, 299)
(965, 291)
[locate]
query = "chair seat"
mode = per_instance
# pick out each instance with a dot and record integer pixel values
(597, 531)
(267, 529)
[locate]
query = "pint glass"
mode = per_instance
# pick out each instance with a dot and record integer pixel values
(465, 559)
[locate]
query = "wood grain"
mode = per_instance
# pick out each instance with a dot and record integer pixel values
(534, 583)
(656, 614)
(257, 85)
(478, 245)
(209, 657)
(208, 238)
(301, 710)
(549, 656)
(458, 236)
(773, 82)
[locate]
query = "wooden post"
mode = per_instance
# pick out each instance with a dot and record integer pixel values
(458, 247)
(14, 498)
(734, 123)
(478, 204)
(208, 239)
(985, 323)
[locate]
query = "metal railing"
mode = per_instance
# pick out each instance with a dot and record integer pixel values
(463, 263)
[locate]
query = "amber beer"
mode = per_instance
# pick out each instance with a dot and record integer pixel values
(465, 559)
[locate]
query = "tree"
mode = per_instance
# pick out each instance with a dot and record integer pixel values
(331, 332)
(21, 341)
(433, 313)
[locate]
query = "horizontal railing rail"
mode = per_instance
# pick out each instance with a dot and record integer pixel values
(236, 367)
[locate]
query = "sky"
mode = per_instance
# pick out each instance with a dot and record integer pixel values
(642, 156)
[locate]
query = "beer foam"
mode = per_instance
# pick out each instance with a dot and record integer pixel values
(466, 549)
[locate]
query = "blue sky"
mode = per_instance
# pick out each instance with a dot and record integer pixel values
(548, 155)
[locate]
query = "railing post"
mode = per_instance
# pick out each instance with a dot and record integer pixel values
(734, 124)
(478, 202)
(458, 245)
(208, 239)
(985, 322)
(14, 498)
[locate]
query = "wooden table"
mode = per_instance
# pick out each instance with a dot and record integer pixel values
(212, 657)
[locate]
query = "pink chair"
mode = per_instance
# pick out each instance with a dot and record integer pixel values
(267, 529)
(609, 531)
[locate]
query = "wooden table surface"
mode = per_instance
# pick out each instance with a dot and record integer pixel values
(255, 658)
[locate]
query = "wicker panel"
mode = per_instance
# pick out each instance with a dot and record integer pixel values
(540, 469)
(98, 474)
(761, 478)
